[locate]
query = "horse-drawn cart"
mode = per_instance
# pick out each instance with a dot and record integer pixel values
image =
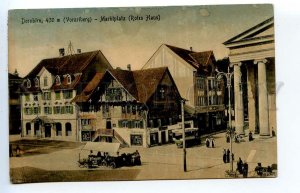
(107, 155)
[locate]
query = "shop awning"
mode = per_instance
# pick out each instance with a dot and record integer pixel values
(102, 147)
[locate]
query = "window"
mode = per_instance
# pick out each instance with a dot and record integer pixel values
(113, 94)
(68, 94)
(45, 81)
(123, 109)
(46, 96)
(28, 111)
(36, 82)
(162, 93)
(200, 82)
(128, 109)
(27, 97)
(201, 101)
(134, 109)
(47, 110)
(56, 110)
(58, 129)
(69, 80)
(35, 97)
(136, 140)
(125, 124)
(57, 95)
(68, 127)
(69, 109)
(35, 110)
(28, 83)
(85, 122)
(57, 80)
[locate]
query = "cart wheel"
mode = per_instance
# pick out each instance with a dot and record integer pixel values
(112, 165)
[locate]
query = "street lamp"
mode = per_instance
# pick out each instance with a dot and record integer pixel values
(182, 101)
(228, 76)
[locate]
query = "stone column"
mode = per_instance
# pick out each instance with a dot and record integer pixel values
(263, 98)
(251, 98)
(238, 100)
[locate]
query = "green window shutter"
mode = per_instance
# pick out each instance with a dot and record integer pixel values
(62, 110)
(39, 110)
(31, 110)
(71, 109)
(50, 110)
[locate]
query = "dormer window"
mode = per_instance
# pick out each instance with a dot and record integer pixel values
(69, 80)
(57, 80)
(36, 82)
(28, 83)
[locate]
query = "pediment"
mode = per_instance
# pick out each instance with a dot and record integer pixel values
(264, 29)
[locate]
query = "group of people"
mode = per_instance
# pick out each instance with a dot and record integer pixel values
(242, 168)
(226, 156)
(210, 142)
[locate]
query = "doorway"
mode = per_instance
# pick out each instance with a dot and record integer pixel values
(47, 131)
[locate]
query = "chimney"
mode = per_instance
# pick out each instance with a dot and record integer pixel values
(191, 48)
(78, 51)
(128, 67)
(61, 51)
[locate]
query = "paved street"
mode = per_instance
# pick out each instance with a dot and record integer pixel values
(165, 162)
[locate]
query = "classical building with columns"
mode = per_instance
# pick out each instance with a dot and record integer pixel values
(252, 56)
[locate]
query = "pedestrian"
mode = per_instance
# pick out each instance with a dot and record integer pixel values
(232, 156)
(224, 156)
(207, 142)
(228, 156)
(240, 165)
(212, 143)
(250, 136)
(227, 138)
(245, 170)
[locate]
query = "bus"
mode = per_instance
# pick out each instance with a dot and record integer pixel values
(191, 137)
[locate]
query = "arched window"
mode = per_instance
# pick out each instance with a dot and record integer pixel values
(68, 129)
(36, 82)
(58, 129)
(28, 128)
(69, 80)
(28, 83)
(57, 80)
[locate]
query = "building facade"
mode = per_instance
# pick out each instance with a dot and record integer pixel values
(132, 107)
(194, 75)
(14, 82)
(47, 110)
(252, 56)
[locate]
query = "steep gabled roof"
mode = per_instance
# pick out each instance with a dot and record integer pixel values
(202, 58)
(126, 79)
(147, 80)
(69, 64)
(90, 87)
(184, 54)
(141, 84)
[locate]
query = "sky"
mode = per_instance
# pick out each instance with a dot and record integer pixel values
(123, 42)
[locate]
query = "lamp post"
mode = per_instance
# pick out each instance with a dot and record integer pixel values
(182, 101)
(228, 76)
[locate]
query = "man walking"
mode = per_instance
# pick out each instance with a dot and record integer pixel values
(224, 156)
(228, 156)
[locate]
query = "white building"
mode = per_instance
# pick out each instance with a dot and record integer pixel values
(252, 55)
(47, 110)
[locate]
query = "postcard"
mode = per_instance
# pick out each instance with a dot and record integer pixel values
(142, 93)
